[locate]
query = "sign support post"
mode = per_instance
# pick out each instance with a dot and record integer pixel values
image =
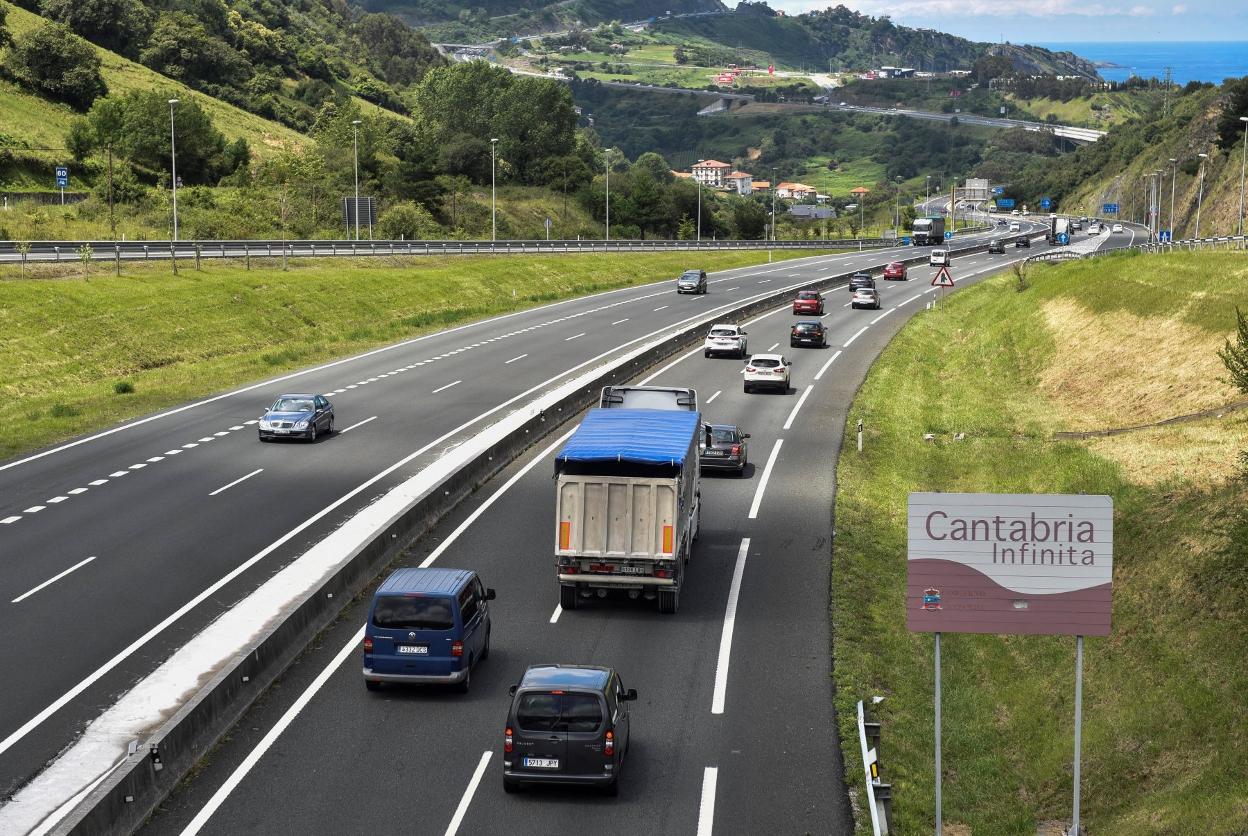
(1074, 827)
(939, 812)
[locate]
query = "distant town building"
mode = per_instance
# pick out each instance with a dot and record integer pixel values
(760, 186)
(741, 182)
(794, 191)
(805, 210)
(711, 172)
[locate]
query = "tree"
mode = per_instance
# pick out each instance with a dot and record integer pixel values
(1235, 354)
(55, 63)
(455, 188)
(137, 126)
(657, 167)
(750, 219)
(5, 37)
(408, 220)
(1230, 129)
(180, 47)
(119, 25)
(467, 156)
(395, 51)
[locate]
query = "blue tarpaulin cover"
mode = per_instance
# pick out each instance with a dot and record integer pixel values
(639, 436)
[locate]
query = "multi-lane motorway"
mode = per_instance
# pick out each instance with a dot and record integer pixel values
(124, 544)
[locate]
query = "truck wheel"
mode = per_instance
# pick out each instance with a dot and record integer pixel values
(567, 597)
(669, 600)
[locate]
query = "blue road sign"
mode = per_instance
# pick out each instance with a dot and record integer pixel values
(1045, 203)
(1109, 208)
(905, 240)
(1163, 236)
(998, 189)
(1005, 203)
(62, 176)
(948, 235)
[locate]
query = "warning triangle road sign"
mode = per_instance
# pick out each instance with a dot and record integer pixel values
(942, 277)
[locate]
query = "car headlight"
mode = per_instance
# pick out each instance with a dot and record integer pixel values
(302, 425)
(264, 425)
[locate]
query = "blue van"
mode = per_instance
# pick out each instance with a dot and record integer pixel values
(427, 627)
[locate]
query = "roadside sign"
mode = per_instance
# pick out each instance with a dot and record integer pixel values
(1164, 236)
(1045, 203)
(942, 277)
(948, 235)
(1037, 564)
(905, 239)
(1005, 203)
(1109, 208)
(998, 189)
(62, 177)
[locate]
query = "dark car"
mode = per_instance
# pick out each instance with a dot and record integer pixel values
(568, 724)
(896, 271)
(860, 279)
(808, 333)
(691, 281)
(996, 245)
(297, 416)
(1022, 242)
(726, 448)
(808, 302)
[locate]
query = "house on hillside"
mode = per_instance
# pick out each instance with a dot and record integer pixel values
(711, 172)
(760, 186)
(741, 182)
(794, 191)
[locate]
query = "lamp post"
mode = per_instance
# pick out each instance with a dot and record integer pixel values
(493, 194)
(1200, 193)
(773, 206)
(1243, 161)
(698, 179)
(173, 167)
(897, 207)
(355, 128)
(607, 163)
(1174, 170)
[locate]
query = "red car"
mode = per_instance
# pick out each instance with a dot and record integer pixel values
(896, 270)
(808, 302)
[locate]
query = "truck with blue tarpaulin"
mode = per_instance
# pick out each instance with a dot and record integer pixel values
(627, 504)
(927, 232)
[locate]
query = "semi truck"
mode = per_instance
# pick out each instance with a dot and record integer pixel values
(627, 504)
(927, 232)
(1059, 230)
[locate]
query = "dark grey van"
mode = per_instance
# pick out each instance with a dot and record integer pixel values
(568, 724)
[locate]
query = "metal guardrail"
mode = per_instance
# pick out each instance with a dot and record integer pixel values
(1226, 242)
(879, 794)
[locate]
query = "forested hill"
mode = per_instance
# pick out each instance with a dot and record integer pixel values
(281, 59)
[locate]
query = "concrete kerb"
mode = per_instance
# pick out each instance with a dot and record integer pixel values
(127, 796)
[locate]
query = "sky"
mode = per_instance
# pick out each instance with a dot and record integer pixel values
(1035, 21)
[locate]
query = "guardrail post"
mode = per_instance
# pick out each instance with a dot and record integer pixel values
(147, 253)
(117, 258)
(58, 253)
(247, 256)
(197, 255)
(312, 244)
(223, 249)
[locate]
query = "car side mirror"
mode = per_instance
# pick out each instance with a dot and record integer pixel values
(490, 595)
(745, 435)
(512, 691)
(630, 695)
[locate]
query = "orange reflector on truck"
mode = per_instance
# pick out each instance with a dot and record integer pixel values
(667, 539)
(565, 535)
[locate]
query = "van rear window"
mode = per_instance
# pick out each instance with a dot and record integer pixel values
(540, 712)
(404, 613)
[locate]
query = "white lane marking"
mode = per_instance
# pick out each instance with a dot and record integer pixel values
(620, 321)
(236, 777)
(236, 481)
(730, 623)
(155, 459)
(173, 452)
(51, 580)
(10, 520)
(797, 406)
(95, 483)
(34, 509)
(56, 500)
(911, 299)
(514, 359)
(881, 316)
(862, 331)
(462, 809)
(726, 289)
(222, 433)
(447, 386)
(237, 427)
(763, 281)
(359, 424)
(76, 491)
(190, 445)
(716, 395)
(662, 308)
(206, 439)
(762, 483)
(825, 365)
(574, 337)
(257, 420)
(706, 807)
(352, 386)
(117, 474)
(137, 466)
(494, 497)
(554, 617)
(774, 347)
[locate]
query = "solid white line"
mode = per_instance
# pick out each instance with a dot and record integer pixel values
(573, 337)
(826, 365)
(554, 617)
(10, 520)
(462, 809)
(706, 807)
(718, 392)
(856, 336)
(236, 777)
(51, 580)
(774, 347)
(797, 406)
(236, 481)
(762, 483)
(447, 386)
(494, 497)
(847, 304)
(725, 637)
(911, 299)
(514, 359)
(881, 316)
(360, 424)
(620, 321)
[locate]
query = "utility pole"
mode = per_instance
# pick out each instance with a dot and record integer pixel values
(355, 127)
(112, 218)
(173, 166)
(1200, 193)
(698, 180)
(1243, 162)
(1174, 170)
(493, 202)
(607, 164)
(1166, 107)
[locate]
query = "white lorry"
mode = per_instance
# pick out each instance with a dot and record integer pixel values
(627, 505)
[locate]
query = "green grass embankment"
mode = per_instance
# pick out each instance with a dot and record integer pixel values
(66, 342)
(1114, 342)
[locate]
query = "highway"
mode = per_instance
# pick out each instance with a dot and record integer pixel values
(122, 545)
(320, 754)
(1080, 135)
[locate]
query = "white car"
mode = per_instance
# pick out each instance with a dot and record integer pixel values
(1117, 228)
(725, 338)
(1094, 229)
(767, 371)
(938, 258)
(1014, 227)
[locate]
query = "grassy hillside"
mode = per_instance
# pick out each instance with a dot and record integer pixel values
(1165, 695)
(67, 341)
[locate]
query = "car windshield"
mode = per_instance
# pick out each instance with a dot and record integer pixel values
(690, 274)
(723, 436)
(723, 332)
(402, 612)
(865, 291)
(292, 405)
(765, 363)
(808, 294)
(806, 326)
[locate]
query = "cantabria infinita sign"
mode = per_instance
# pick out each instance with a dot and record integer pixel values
(1010, 563)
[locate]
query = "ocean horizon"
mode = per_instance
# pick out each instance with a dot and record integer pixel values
(1213, 61)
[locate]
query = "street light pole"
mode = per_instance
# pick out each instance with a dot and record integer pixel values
(1243, 161)
(928, 196)
(1200, 194)
(173, 166)
(355, 127)
(698, 179)
(493, 203)
(1174, 170)
(607, 163)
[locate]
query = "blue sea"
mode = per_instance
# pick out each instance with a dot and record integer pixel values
(1188, 60)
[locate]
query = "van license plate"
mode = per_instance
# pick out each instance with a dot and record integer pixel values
(418, 649)
(542, 763)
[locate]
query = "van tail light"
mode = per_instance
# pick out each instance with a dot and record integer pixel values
(457, 648)
(368, 644)
(507, 744)
(608, 746)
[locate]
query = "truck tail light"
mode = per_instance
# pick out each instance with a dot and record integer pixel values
(608, 745)
(667, 539)
(457, 649)
(368, 644)
(662, 573)
(507, 743)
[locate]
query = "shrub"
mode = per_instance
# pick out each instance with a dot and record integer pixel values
(123, 387)
(63, 410)
(407, 220)
(54, 62)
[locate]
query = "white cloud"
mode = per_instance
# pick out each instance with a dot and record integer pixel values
(1178, 9)
(1141, 11)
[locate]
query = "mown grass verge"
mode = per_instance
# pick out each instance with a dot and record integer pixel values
(82, 353)
(1166, 695)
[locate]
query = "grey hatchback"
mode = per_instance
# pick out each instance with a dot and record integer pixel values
(568, 724)
(691, 281)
